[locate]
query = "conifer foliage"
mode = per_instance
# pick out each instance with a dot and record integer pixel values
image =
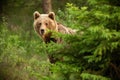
(93, 53)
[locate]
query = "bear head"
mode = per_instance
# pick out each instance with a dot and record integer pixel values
(44, 24)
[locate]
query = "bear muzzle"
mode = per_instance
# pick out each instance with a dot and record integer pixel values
(42, 31)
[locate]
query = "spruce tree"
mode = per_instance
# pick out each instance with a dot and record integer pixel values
(93, 53)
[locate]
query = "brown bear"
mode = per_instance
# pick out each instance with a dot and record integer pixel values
(45, 22)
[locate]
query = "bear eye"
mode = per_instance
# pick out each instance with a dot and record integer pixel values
(39, 24)
(46, 24)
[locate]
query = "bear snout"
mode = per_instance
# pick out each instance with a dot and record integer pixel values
(42, 31)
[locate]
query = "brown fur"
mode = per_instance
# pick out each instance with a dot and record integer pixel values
(45, 22)
(48, 22)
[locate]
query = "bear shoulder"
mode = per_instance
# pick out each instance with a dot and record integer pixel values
(65, 30)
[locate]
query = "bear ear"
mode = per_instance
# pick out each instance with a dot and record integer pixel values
(36, 15)
(51, 15)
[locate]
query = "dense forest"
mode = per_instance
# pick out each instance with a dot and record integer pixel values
(93, 53)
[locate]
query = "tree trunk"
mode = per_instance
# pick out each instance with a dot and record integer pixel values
(46, 6)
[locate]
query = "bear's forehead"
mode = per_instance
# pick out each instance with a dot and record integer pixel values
(44, 17)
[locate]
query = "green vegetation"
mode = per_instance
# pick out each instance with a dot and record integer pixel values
(92, 54)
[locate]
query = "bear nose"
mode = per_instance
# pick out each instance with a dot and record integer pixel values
(42, 31)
